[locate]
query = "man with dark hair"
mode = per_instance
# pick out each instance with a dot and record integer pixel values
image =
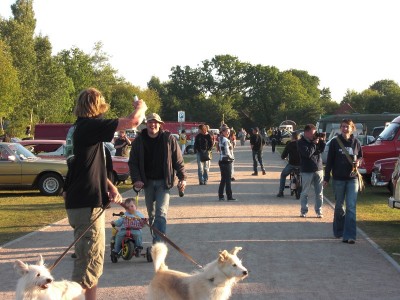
(294, 161)
(256, 143)
(310, 148)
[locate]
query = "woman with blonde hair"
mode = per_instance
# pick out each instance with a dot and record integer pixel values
(88, 190)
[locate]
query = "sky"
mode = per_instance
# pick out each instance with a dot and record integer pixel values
(347, 44)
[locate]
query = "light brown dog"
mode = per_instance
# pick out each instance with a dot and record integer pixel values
(214, 282)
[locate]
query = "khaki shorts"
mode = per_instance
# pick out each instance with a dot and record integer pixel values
(88, 266)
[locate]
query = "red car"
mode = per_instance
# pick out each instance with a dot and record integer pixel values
(382, 172)
(57, 151)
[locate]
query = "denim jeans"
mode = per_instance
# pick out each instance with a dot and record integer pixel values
(157, 203)
(285, 173)
(257, 155)
(344, 222)
(226, 177)
(202, 169)
(308, 179)
(137, 234)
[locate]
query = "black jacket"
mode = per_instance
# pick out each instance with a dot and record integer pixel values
(337, 162)
(291, 151)
(310, 155)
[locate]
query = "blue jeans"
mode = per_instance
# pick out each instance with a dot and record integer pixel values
(157, 203)
(308, 179)
(202, 169)
(285, 173)
(344, 222)
(137, 234)
(257, 155)
(226, 177)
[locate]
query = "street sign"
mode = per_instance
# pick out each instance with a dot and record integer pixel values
(181, 116)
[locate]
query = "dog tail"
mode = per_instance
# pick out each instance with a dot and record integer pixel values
(159, 253)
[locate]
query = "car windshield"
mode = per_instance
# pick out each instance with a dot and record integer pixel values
(21, 152)
(389, 133)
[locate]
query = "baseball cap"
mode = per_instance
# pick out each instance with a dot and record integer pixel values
(154, 116)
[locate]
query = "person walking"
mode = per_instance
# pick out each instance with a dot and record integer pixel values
(294, 161)
(344, 155)
(242, 136)
(183, 140)
(121, 144)
(310, 148)
(89, 191)
(256, 144)
(225, 164)
(154, 160)
(203, 144)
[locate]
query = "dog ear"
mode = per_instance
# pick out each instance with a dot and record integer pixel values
(40, 261)
(21, 267)
(235, 250)
(223, 255)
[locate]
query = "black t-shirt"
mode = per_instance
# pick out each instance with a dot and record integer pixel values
(88, 175)
(153, 156)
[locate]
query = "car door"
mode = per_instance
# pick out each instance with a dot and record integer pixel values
(10, 167)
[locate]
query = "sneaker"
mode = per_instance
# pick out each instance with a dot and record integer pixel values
(264, 173)
(221, 199)
(280, 195)
(255, 174)
(138, 250)
(201, 183)
(205, 182)
(349, 241)
(319, 216)
(233, 179)
(232, 199)
(302, 215)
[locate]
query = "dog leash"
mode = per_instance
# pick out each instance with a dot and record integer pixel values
(78, 238)
(165, 238)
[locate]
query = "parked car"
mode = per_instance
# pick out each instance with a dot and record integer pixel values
(382, 172)
(120, 164)
(394, 201)
(364, 140)
(21, 168)
(386, 145)
(38, 146)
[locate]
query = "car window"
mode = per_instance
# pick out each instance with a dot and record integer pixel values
(21, 152)
(389, 133)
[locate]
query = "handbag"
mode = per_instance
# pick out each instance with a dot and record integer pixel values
(361, 185)
(205, 155)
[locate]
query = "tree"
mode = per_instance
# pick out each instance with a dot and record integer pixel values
(9, 85)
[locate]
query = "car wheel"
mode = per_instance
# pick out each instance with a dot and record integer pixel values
(50, 184)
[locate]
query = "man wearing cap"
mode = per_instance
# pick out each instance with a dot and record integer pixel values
(256, 143)
(154, 160)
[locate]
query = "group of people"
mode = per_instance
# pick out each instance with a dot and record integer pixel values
(156, 159)
(343, 158)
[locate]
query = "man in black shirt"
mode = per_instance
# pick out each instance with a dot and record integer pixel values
(256, 143)
(121, 144)
(294, 161)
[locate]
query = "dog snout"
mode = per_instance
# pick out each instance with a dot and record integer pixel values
(245, 273)
(49, 280)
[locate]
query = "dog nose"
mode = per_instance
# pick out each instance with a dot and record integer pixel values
(245, 272)
(48, 280)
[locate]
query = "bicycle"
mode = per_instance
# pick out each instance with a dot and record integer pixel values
(295, 182)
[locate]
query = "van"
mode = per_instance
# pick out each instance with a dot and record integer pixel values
(386, 145)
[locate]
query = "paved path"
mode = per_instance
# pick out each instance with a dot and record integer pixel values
(288, 257)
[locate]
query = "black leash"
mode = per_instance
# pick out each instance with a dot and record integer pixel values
(78, 238)
(165, 238)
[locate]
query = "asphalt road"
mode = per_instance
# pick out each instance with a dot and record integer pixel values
(288, 257)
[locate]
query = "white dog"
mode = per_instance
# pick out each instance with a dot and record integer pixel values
(214, 282)
(36, 283)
